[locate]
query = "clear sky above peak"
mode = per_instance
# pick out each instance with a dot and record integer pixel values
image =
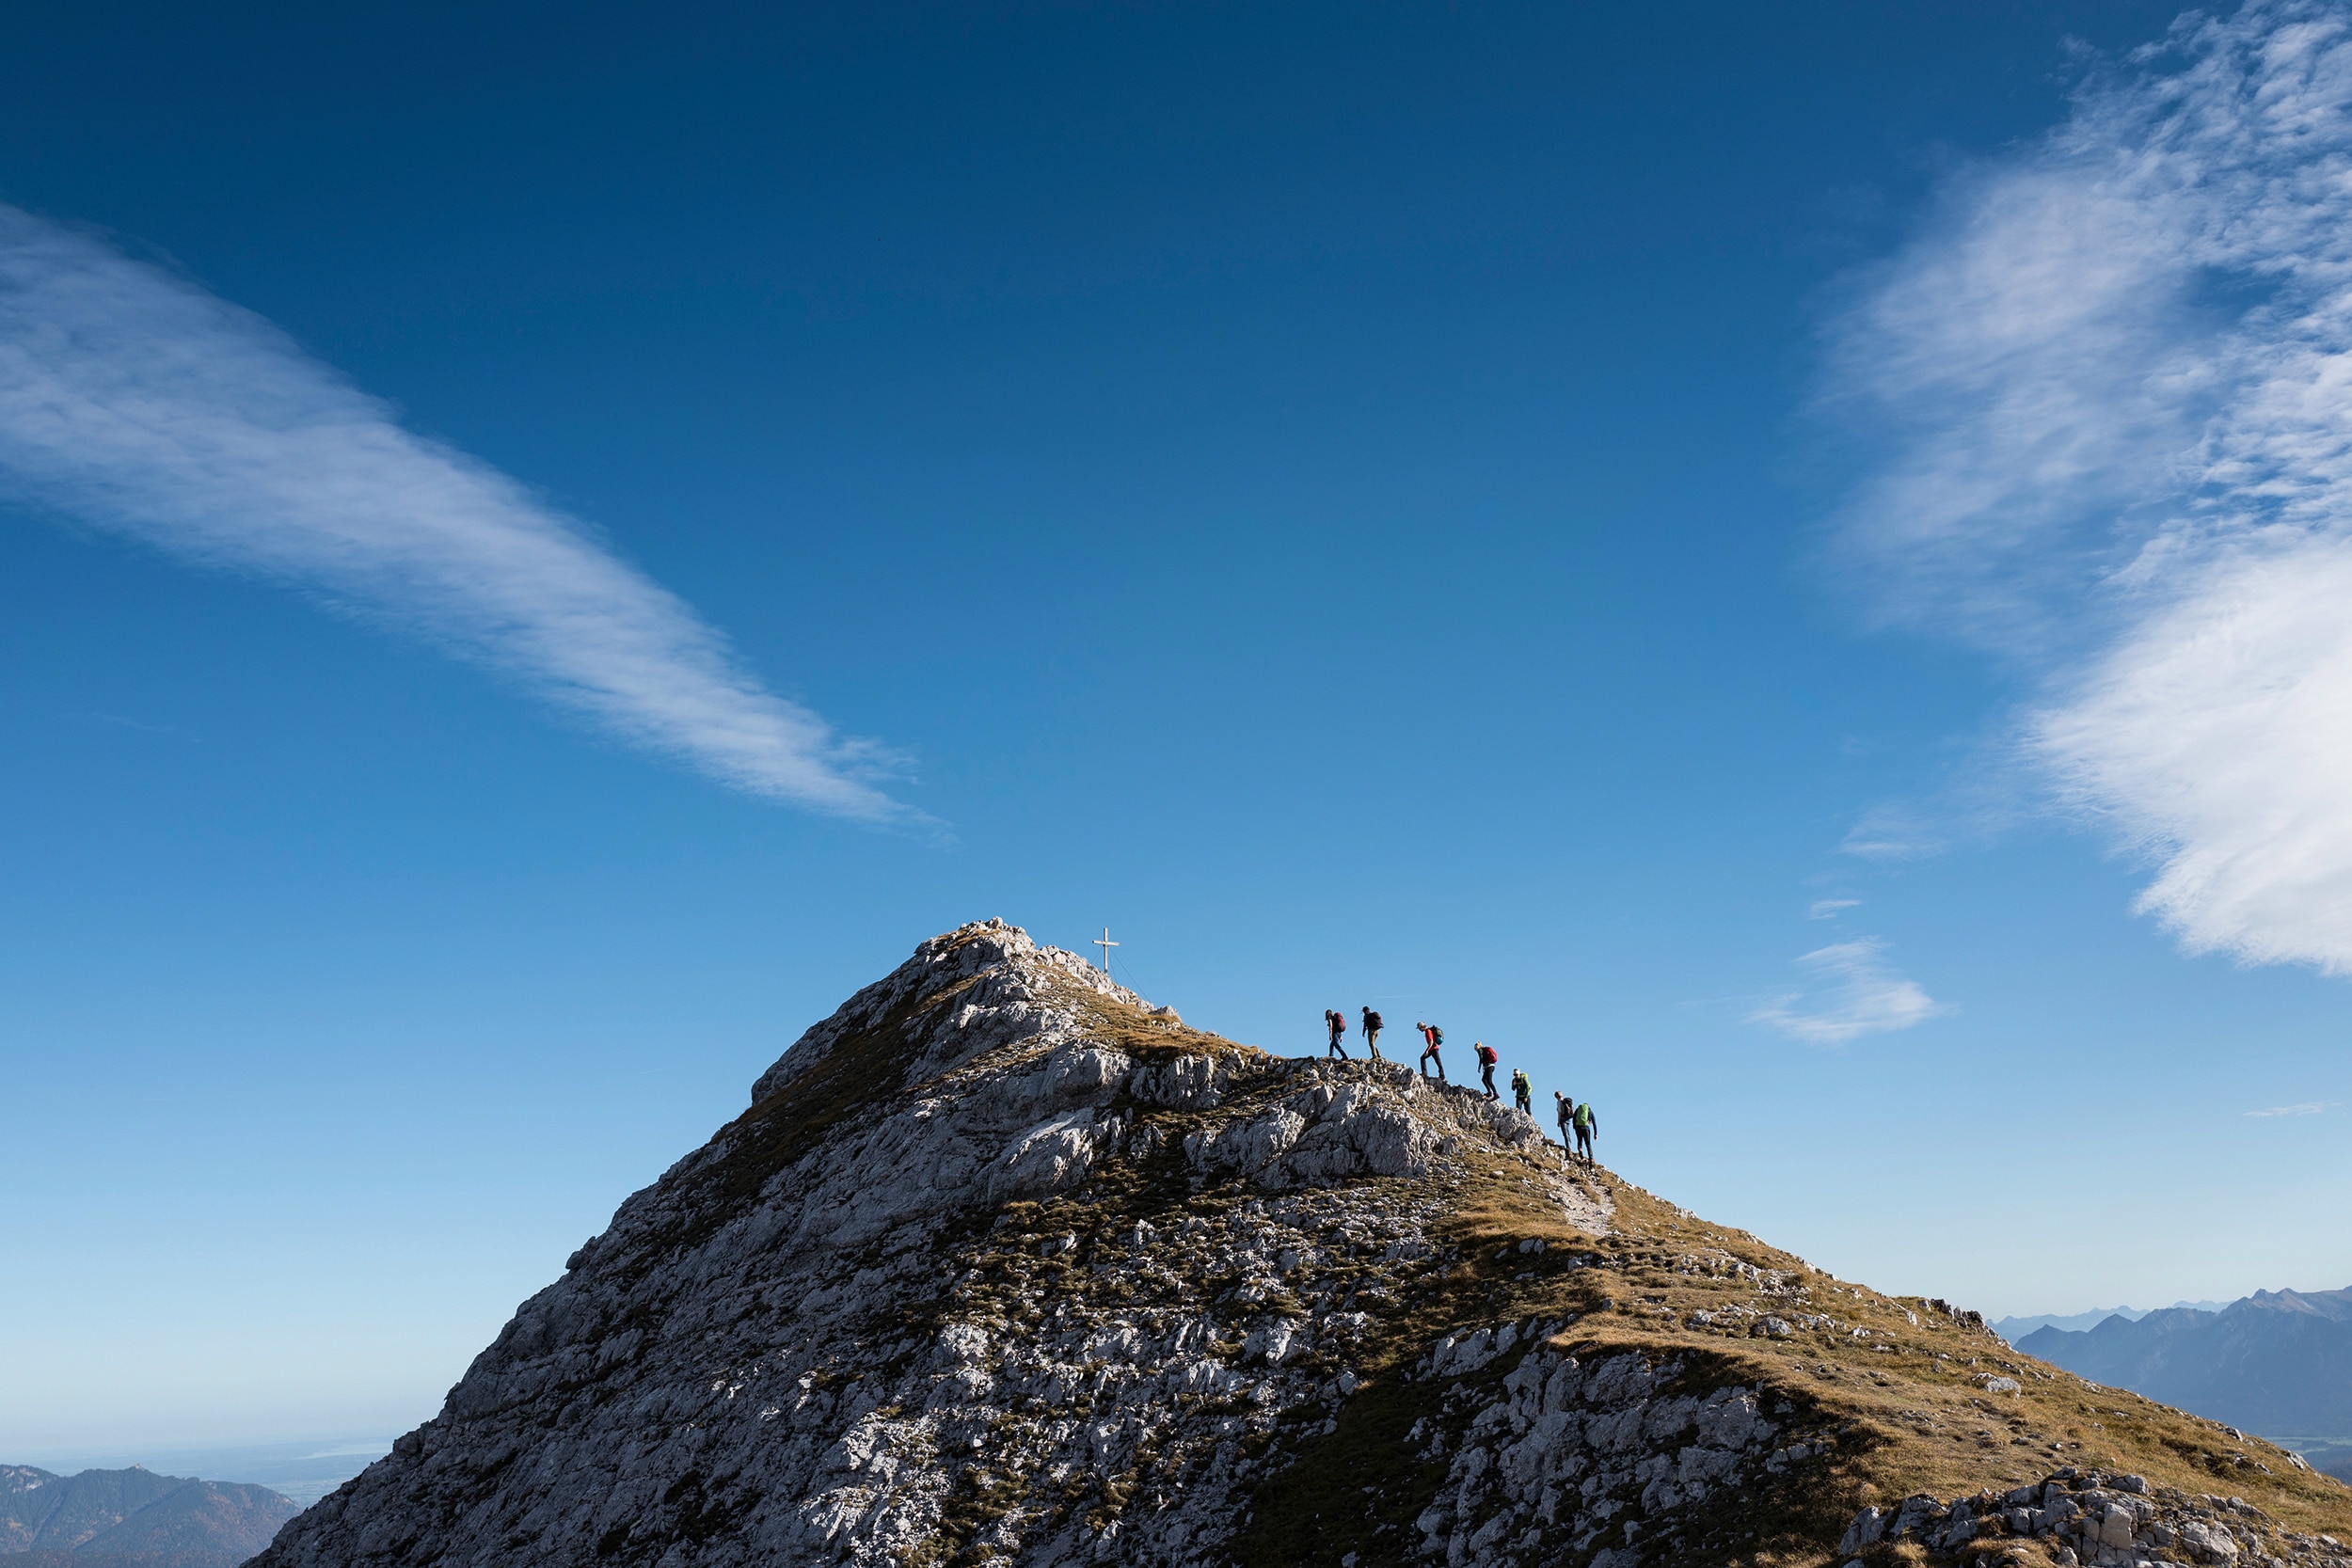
(585, 534)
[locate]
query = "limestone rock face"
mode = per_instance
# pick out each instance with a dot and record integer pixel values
(843, 1330)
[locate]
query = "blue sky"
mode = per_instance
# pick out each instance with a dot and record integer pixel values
(1774, 563)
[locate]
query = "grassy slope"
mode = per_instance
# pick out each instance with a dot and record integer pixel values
(1903, 1410)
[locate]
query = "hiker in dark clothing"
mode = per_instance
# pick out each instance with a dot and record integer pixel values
(1335, 1022)
(1372, 1035)
(1487, 1060)
(1586, 1124)
(1567, 1109)
(1521, 1090)
(1432, 1040)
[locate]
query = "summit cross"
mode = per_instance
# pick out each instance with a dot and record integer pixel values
(1106, 943)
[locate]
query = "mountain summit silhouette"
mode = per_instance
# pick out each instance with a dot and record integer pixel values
(1004, 1264)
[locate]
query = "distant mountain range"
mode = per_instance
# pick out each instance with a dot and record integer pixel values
(2014, 1329)
(305, 1469)
(2277, 1363)
(121, 1518)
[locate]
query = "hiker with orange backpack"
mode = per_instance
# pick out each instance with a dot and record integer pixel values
(1487, 1060)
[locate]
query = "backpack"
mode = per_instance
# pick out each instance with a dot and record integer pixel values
(1371, 1020)
(1436, 1036)
(1486, 1056)
(1585, 1117)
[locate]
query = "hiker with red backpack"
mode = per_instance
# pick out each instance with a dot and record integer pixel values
(1433, 1039)
(1335, 1023)
(1487, 1060)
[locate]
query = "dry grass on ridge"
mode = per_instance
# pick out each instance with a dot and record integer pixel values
(1922, 1420)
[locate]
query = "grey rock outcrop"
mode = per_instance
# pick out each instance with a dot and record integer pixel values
(1565, 1461)
(2101, 1522)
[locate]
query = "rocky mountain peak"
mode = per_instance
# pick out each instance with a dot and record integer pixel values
(1003, 1263)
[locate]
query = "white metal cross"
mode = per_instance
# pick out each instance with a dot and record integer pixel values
(1106, 943)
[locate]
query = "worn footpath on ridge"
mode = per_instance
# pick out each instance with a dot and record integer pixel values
(1005, 1265)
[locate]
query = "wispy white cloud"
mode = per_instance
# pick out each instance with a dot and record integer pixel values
(136, 402)
(1848, 991)
(2114, 377)
(2308, 1108)
(1826, 909)
(1893, 833)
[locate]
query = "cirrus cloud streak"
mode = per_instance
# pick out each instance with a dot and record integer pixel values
(1850, 992)
(2112, 381)
(136, 402)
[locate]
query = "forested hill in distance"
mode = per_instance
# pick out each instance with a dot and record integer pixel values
(2278, 1362)
(104, 1517)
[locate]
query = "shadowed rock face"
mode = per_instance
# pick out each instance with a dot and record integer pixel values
(836, 1331)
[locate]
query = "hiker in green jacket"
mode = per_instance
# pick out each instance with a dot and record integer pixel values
(1522, 1090)
(1585, 1124)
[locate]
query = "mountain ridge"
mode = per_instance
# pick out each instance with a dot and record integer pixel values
(2278, 1362)
(1005, 1265)
(134, 1512)
(2015, 1327)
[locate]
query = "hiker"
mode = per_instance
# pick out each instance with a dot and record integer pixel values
(1487, 1062)
(1567, 1108)
(1521, 1090)
(1585, 1124)
(1372, 1035)
(1335, 1022)
(1432, 1040)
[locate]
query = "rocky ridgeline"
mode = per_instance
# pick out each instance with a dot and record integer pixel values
(1002, 1262)
(1005, 1265)
(2103, 1521)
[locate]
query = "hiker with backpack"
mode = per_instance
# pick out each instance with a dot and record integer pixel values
(1521, 1090)
(1433, 1039)
(1585, 1124)
(1372, 1035)
(1566, 1109)
(1335, 1024)
(1486, 1062)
